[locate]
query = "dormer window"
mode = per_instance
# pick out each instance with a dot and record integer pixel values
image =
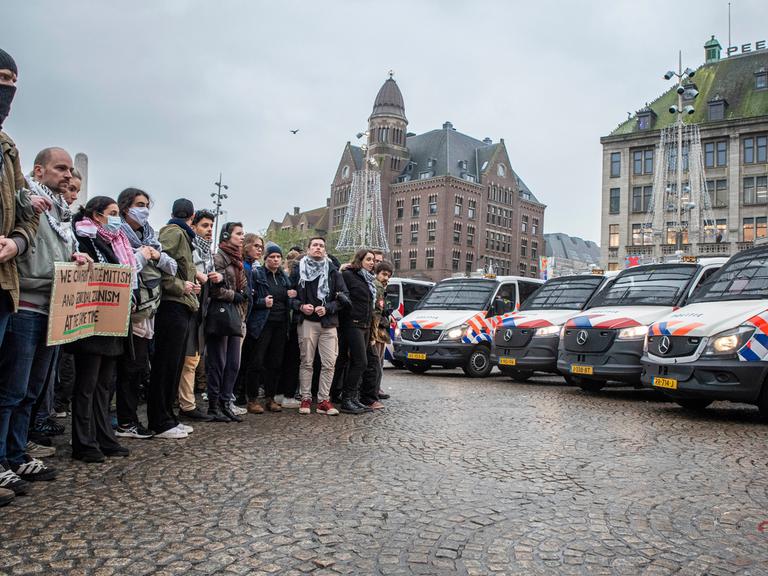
(761, 79)
(463, 164)
(431, 162)
(501, 170)
(717, 109)
(691, 91)
(645, 119)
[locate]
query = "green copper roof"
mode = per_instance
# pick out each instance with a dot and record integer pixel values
(712, 42)
(732, 79)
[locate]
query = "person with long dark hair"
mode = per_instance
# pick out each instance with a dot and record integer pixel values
(223, 350)
(99, 233)
(355, 322)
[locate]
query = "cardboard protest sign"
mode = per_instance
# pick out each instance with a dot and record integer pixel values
(89, 301)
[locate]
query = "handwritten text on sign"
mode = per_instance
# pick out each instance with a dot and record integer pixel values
(89, 301)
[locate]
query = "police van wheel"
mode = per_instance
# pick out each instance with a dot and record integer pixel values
(694, 404)
(518, 375)
(479, 363)
(417, 368)
(762, 403)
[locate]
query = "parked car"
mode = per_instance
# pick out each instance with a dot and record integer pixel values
(452, 326)
(716, 347)
(526, 340)
(402, 297)
(605, 341)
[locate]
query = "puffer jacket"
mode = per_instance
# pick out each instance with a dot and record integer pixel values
(360, 314)
(17, 217)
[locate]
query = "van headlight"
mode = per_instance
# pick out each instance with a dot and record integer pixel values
(562, 332)
(633, 333)
(456, 333)
(546, 332)
(728, 342)
(398, 331)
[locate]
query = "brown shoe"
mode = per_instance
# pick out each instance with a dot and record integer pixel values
(273, 406)
(254, 407)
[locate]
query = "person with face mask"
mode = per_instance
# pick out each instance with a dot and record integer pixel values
(134, 207)
(99, 231)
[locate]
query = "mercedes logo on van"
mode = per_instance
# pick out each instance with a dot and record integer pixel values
(582, 337)
(508, 335)
(417, 334)
(664, 345)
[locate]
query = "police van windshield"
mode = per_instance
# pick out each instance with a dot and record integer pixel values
(565, 293)
(459, 295)
(745, 277)
(647, 286)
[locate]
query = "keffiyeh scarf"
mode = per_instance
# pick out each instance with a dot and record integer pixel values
(310, 269)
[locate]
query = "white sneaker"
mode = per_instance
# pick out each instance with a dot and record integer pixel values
(237, 410)
(185, 428)
(173, 433)
(279, 398)
(290, 403)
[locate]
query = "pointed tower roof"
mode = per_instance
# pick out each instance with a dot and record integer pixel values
(389, 101)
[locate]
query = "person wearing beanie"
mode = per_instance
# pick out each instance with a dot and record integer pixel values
(273, 294)
(175, 318)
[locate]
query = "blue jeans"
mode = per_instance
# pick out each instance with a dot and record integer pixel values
(25, 364)
(6, 309)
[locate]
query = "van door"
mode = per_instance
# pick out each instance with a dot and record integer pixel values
(504, 300)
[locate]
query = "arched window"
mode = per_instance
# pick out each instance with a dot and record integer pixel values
(501, 170)
(345, 172)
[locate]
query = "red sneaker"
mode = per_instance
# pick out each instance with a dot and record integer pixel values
(305, 407)
(325, 407)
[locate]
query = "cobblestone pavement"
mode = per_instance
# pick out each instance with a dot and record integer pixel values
(456, 476)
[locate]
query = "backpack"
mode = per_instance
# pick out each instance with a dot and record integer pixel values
(148, 293)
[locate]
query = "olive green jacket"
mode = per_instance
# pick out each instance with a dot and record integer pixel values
(177, 244)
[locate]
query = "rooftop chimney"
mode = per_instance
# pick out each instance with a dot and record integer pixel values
(447, 126)
(295, 210)
(487, 141)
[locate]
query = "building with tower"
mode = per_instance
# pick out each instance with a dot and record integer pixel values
(452, 203)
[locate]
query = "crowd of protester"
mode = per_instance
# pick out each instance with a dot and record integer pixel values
(213, 334)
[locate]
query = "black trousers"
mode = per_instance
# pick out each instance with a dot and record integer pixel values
(360, 382)
(342, 364)
(222, 362)
(270, 350)
(91, 427)
(289, 374)
(171, 324)
(65, 381)
(248, 377)
(130, 374)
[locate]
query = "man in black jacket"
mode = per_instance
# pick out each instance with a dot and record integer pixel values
(321, 293)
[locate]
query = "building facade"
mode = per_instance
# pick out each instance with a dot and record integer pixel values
(452, 204)
(731, 110)
(565, 255)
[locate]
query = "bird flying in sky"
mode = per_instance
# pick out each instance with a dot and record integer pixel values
(294, 131)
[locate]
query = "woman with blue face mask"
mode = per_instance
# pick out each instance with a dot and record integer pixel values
(99, 233)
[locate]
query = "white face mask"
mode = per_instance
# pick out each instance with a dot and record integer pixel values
(139, 215)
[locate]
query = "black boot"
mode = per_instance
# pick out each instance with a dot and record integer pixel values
(215, 413)
(349, 406)
(226, 411)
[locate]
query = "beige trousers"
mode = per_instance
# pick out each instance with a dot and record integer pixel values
(313, 337)
(187, 383)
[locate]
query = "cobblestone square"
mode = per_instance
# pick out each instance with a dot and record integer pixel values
(456, 476)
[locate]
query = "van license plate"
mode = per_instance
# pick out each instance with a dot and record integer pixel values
(575, 369)
(670, 383)
(416, 356)
(507, 361)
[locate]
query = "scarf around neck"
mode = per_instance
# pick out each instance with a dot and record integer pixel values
(311, 269)
(237, 259)
(118, 241)
(181, 223)
(371, 280)
(61, 227)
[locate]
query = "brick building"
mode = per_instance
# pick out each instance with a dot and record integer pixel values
(452, 203)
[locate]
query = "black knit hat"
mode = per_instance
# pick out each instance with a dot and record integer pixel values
(272, 248)
(7, 62)
(182, 208)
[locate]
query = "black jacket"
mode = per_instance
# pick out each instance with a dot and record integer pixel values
(360, 313)
(337, 298)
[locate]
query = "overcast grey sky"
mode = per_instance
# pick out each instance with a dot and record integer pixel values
(164, 94)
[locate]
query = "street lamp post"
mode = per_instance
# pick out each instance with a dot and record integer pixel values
(218, 199)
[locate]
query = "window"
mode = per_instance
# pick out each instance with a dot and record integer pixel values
(456, 257)
(755, 149)
(414, 232)
(762, 149)
(458, 205)
(345, 172)
(613, 235)
(432, 204)
(755, 190)
(471, 209)
(534, 250)
(470, 235)
(615, 164)
(501, 170)
(534, 271)
(672, 232)
(522, 267)
(431, 230)
(524, 223)
(425, 175)
(641, 236)
(412, 254)
(715, 154)
(614, 202)
(761, 224)
(761, 79)
(641, 198)
(718, 192)
(396, 259)
(523, 247)
(470, 262)
(716, 110)
(415, 207)
(400, 203)
(430, 258)
(749, 150)
(753, 228)
(457, 232)
(642, 162)
(398, 234)
(535, 227)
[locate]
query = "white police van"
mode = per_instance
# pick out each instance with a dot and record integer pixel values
(452, 326)
(526, 340)
(605, 341)
(401, 297)
(716, 347)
